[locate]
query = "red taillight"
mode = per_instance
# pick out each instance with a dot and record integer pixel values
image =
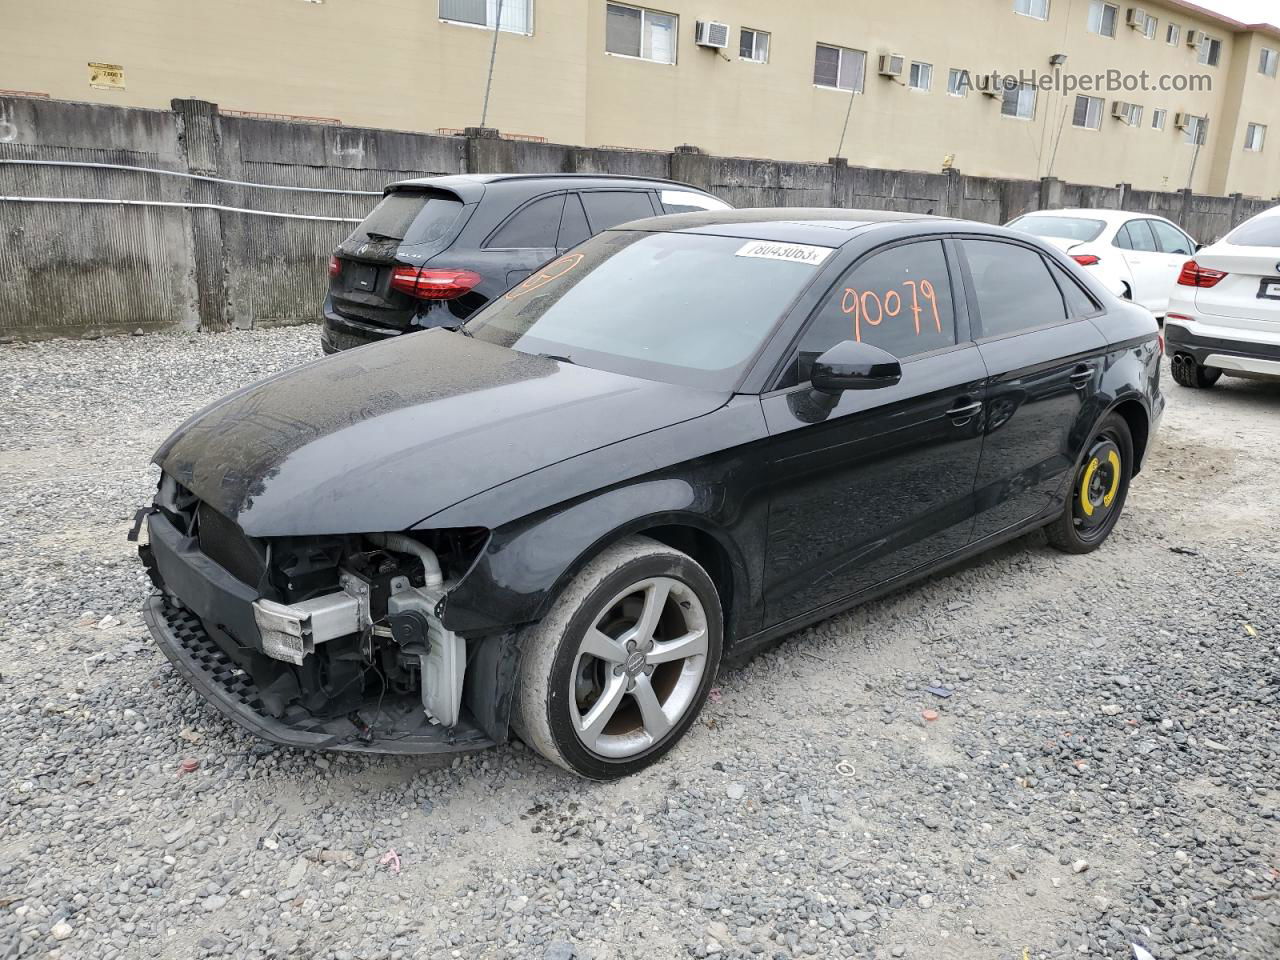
(1194, 275)
(433, 284)
(335, 266)
(1160, 337)
(1085, 259)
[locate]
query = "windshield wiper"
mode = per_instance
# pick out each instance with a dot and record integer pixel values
(374, 235)
(554, 356)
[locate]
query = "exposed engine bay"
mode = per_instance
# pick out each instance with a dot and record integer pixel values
(338, 636)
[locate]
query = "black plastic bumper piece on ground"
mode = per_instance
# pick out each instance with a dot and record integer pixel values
(397, 729)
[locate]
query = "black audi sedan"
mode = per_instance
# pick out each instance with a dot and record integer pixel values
(682, 440)
(437, 249)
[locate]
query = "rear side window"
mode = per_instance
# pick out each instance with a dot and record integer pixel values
(686, 201)
(898, 300)
(573, 225)
(410, 216)
(1170, 239)
(1261, 231)
(535, 225)
(1140, 236)
(1013, 288)
(1079, 303)
(608, 208)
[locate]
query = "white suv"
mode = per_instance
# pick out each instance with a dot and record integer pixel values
(1224, 315)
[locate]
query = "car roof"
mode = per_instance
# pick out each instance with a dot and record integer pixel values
(823, 226)
(471, 186)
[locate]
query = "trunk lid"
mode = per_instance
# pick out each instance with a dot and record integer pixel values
(1250, 291)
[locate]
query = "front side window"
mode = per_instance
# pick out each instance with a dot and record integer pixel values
(517, 15)
(1019, 101)
(639, 32)
(1210, 51)
(1170, 239)
(1102, 18)
(754, 46)
(1139, 237)
(898, 300)
(958, 83)
(1088, 112)
(1254, 137)
(1039, 9)
(1268, 61)
(608, 208)
(921, 76)
(1173, 35)
(839, 68)
(1013, 287)
(676, 307)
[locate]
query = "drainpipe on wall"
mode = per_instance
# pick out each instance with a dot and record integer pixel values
(493, 55)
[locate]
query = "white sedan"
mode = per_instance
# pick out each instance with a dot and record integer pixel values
(1138, 256)
(1224, 315)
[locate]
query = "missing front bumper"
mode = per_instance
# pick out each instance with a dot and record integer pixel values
(384, 725)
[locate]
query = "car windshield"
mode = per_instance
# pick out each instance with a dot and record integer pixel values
(683, 308)
(1263, 231)
(1063, 228)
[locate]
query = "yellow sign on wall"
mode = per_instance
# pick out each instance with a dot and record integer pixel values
(106, 76)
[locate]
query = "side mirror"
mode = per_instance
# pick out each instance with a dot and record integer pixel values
(851, 365)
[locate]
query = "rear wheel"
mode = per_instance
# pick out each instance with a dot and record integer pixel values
(1098, 490)
(620, 667)
(1188, 373)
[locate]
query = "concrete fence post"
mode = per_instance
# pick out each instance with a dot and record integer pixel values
(1236, 200)
(953, 197)
(1050, 193)
(689, 164)
(839, 168)
(1184, 206)
(199, 135)
(1125, 189)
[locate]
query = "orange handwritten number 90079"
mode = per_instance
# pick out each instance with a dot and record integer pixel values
(856, 305)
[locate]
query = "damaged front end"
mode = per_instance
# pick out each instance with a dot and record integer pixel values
(330, 642)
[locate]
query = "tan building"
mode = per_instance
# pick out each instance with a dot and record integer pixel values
(1203, 108)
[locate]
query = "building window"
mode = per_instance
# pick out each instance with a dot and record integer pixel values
(1088, 113)
(921, 76)
(1149, 28)
(839, 68)
(1158, 118)
(1268, 61)
(958, 83)
(1197, 129)
(1037, 9)
(1135, 114)
(1173, 35)
(1019, 101)
(754, 46)
(517, 15)
(1254, 137)
(637, 32)
(1210, 51)
(1103, 17)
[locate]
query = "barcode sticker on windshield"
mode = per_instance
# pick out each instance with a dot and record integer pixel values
(793, 252)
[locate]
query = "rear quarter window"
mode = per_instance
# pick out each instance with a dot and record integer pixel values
(410, 216)
(687, 201)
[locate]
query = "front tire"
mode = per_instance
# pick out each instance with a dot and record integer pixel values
(620, 667)
(1098, 490)
(1188, 373)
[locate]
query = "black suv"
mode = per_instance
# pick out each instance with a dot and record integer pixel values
(437, 249)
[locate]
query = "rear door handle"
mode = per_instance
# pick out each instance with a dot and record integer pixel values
(964, 413)
(1081, 376)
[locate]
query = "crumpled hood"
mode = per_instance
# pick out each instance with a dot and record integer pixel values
(380, 437)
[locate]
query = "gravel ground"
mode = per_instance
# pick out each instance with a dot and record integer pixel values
(1103, 774)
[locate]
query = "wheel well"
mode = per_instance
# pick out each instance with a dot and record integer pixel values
(710, 555)
(1136, 417)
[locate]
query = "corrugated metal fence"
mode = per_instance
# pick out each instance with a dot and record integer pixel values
(115, 218)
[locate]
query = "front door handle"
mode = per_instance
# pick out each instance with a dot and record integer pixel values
(964, 413)
(1081, 376)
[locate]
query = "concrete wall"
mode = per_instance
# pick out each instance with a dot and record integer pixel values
(68, 268)
(397, 64)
